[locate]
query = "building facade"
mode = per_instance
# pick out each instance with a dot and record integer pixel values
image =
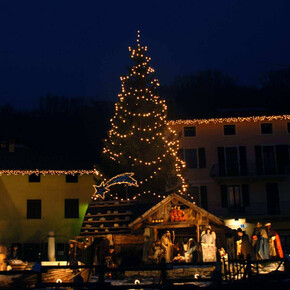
(238, 168)
(37, 202)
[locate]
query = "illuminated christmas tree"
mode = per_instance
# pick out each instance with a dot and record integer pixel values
(139, 140)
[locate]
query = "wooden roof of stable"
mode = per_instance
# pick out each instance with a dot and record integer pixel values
(212, 218)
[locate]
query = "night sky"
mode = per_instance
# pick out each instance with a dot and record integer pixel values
(79, 48)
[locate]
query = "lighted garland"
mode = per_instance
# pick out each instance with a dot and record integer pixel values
(50, 172)
(230, 120)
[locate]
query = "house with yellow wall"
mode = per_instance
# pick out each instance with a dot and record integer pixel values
(35, 202)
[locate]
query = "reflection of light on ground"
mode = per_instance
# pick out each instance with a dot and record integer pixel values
(199, 284)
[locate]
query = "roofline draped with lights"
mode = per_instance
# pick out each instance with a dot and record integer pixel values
(229, 120)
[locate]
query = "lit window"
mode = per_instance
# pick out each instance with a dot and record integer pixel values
(234, 196)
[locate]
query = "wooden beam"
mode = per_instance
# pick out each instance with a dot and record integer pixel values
(177, 225)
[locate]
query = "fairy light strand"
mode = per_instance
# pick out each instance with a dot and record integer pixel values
(229, 120)
(50, 172)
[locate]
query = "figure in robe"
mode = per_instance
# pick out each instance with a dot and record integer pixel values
(230, 246)
(275, 246)
(208, 236)
(190, 251)
(244, 247)
(167, 244)
(262, 246)
(72, 254)
(208, 240)
(105, 248)
(255, 235)
(148, 241)
(157, 252)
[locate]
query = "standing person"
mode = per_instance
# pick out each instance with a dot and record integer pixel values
(275, 246)
(190, 254)
(230, 246)
(72, 254)
(104, 250)
(3, 257)
(255, 235)
(208, 245)
(208, 237)
(157, 252)
(14, 255)
(167, 245)
(245, 248)
(148, 241)
(262, 247)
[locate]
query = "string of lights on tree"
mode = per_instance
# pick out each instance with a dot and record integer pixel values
(230, 120)
(136, 141)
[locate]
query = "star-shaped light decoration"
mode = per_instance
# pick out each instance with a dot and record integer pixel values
(103, 188)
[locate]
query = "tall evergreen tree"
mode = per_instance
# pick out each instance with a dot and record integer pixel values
(137, 141)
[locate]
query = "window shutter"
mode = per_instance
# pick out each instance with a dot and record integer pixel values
(201, 158)
(282, 157)
(203, 197)
(259, 160)
(246, 194)
(224, 196)
(273, 200)
(243, 160)
(190, 158)
(221, 160)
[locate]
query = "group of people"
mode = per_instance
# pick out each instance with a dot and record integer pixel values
(264, 244)
(9, 256)
(166, 249)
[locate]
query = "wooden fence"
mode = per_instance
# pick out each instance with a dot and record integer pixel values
(225, 272)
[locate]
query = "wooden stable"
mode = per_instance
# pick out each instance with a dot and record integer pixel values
(193, 218)
(126, 220)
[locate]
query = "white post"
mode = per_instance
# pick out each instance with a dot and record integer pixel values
(51, 246)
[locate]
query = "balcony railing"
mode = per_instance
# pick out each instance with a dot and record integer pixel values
(250, 170)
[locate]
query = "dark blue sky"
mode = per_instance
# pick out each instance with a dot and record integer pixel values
(79, 48)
